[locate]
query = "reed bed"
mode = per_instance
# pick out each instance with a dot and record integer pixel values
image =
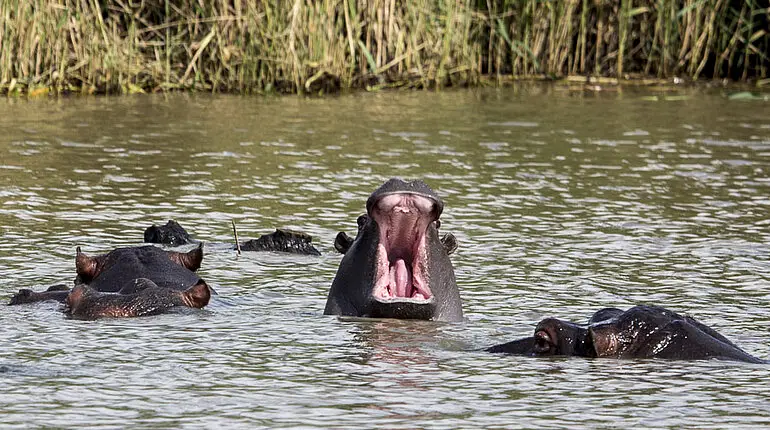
(312, 46)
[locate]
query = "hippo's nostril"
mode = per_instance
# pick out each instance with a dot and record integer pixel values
(542, 341)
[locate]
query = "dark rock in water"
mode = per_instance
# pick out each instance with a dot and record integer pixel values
(282, 240)
(171, 234)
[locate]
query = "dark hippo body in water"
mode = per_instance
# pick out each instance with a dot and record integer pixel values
(58, 292)
(142, 298)
(114, 271)
(281, 240)
(171, 234)
(640, 332)
(160, 278)
(397, 267)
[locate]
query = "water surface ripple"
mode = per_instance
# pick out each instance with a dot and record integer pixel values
(561, 203)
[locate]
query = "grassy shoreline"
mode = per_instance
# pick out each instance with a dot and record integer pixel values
(304, 46)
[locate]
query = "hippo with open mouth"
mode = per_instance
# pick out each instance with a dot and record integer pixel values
(641, 332)
(397, 267)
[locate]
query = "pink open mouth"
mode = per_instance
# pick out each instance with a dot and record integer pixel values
(401, 254)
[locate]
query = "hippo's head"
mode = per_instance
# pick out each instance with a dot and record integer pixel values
(554, 337)
(169, 234)
(142, 297)
(641, 332)
(397, 267)
(113, 271)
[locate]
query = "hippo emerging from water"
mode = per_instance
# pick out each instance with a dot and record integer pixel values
(640, 332)
(141, 298)
(159, 278)
(171, 234)
(281, 240)
(397, 267)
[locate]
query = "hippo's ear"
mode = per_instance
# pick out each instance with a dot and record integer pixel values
(362, 220)
(87, 267)
(449, 242)
(191, 260)
(198, 295)
(342, 242)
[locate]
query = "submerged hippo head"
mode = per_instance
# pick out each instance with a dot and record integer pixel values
(640, 332)
(552, 337)
(120, 267)
(397, 267)
(141, 298)
(282, 240)
(656, 332)
(169, 234)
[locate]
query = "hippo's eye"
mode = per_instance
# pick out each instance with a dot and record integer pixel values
(437, 223)
(361, 221)
(542, 342)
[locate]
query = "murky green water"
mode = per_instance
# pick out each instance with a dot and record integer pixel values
(562, 204)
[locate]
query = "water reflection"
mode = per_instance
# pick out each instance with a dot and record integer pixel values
(392, 342)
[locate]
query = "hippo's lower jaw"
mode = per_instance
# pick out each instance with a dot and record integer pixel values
(403, 308)
(404, 301)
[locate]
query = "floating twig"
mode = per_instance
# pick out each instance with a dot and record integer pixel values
(235, 233)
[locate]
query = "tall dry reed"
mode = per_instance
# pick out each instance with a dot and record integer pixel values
(324, 45)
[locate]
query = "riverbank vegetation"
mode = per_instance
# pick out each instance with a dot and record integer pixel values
(119, 46)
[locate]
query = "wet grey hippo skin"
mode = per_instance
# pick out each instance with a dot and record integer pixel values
(140, 298)
(281, 240)
(171, 234)
(56, 292)
(640, 332)
(397, 267)
(118, 269)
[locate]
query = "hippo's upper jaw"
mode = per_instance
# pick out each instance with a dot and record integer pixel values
(402, 257)
(397, 267)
